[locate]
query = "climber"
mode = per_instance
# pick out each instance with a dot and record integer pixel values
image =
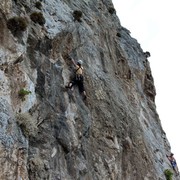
(173, 163)
(78, 78)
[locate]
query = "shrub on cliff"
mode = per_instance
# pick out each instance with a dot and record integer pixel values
(38, 17)
(22, 93)
(111, 10)
(38, 5)
(168, 174)
(17, 25)
(77, 15)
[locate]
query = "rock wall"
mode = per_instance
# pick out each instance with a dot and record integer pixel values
(50, 132)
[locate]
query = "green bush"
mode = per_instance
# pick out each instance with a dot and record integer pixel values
(17, 25)
(168, 174)
(38, 17)
(38, 5)
(77, 15)
(22, 93)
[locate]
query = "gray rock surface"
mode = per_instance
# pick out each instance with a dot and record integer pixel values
(51, 133)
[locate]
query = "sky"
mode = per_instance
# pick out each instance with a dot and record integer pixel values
(156, 26)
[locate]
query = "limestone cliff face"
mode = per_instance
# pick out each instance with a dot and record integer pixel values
(49, 132)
